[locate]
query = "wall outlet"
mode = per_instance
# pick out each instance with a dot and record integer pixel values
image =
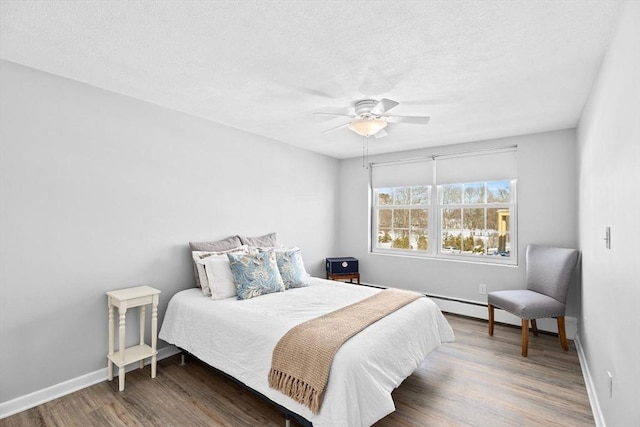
(482, 289)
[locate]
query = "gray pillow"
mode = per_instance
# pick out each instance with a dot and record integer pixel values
(215, 246)
(266, 241)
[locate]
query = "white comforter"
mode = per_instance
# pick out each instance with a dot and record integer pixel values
(238, 337)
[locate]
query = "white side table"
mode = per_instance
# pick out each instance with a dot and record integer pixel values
(124, 299)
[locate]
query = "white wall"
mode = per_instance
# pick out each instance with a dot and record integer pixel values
(609, 171)
(100, 191)
(547, 209)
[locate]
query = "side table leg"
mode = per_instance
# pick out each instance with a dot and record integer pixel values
(154, 335)
(121, 378)
(111, 330)
(142, 325)
(121, 337)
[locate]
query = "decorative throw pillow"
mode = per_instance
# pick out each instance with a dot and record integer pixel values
(218, 271)
(255, 275)
(204, 261)
(292, 268)
(215, 246)
(266, 241)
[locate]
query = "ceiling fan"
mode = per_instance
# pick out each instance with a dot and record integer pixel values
(370, 117)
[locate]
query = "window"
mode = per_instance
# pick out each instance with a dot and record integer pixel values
(475, 218)
(402, 218)
(419, 209)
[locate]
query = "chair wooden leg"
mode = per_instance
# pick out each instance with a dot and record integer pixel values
(490, 319)
(534, 327)
(525, 337)
(562, 333)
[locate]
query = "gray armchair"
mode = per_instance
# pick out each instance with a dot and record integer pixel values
(548, 274)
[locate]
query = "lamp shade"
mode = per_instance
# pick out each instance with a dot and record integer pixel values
(367, 126)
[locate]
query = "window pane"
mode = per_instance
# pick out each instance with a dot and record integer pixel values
(401, 239)
(492, 220)
(401, 195)
(384, 218)
(498, 191)
(401, 218)
(419, 227)
(420, 195)
(419, 240)
(473, 219)
(451, 194)
(467, 243)
(451, 242)
(479, 246)
(419, 218)
(384, 237)
(498, 232)
(451, 219)
(474, 193)
(384, 196)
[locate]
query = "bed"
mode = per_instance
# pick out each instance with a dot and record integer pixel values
(238, 337)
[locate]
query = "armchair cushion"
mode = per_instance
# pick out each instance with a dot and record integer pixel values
(526, 304)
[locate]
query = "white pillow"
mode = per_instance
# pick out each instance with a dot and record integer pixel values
(219, 276)
(200, 260)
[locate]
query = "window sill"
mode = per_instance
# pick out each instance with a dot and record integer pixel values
(449, 258)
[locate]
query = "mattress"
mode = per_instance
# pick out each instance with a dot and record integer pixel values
(238, 338)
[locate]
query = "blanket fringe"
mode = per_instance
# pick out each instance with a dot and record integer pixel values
(295, 388)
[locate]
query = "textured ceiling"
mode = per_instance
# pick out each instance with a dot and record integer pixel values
(480, 69)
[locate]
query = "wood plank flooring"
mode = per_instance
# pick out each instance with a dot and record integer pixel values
(476, 381)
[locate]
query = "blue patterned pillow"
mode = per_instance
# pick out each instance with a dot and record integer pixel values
(255, 274)
(291, 268)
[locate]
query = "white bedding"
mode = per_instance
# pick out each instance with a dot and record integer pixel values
(238, 338)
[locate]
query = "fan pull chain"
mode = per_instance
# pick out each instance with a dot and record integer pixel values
(365, 152)
(367, 162)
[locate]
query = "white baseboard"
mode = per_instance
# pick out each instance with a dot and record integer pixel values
(472, 309)
(39, 397)
(591, 389)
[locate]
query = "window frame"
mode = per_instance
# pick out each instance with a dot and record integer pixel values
(434, 227)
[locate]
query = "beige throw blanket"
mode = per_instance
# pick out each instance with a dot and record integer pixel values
(302, 358)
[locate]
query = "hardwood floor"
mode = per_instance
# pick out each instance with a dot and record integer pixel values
(484, 381)
(476, 381)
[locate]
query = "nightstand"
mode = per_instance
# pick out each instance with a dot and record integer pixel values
(124, 299)
(343, 268)
(345, 276)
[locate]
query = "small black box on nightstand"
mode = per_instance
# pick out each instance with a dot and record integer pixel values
(342, 265)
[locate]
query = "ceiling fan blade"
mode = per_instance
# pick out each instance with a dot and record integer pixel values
(323, 113)
(383, 106)
(380, 134)
(335, 128)
(412, 120)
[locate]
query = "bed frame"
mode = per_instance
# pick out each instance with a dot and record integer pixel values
(286, 412)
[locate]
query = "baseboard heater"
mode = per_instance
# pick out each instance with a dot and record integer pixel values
(440, 297)
(461, 301)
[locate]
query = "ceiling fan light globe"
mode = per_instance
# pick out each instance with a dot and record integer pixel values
(367, 126)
